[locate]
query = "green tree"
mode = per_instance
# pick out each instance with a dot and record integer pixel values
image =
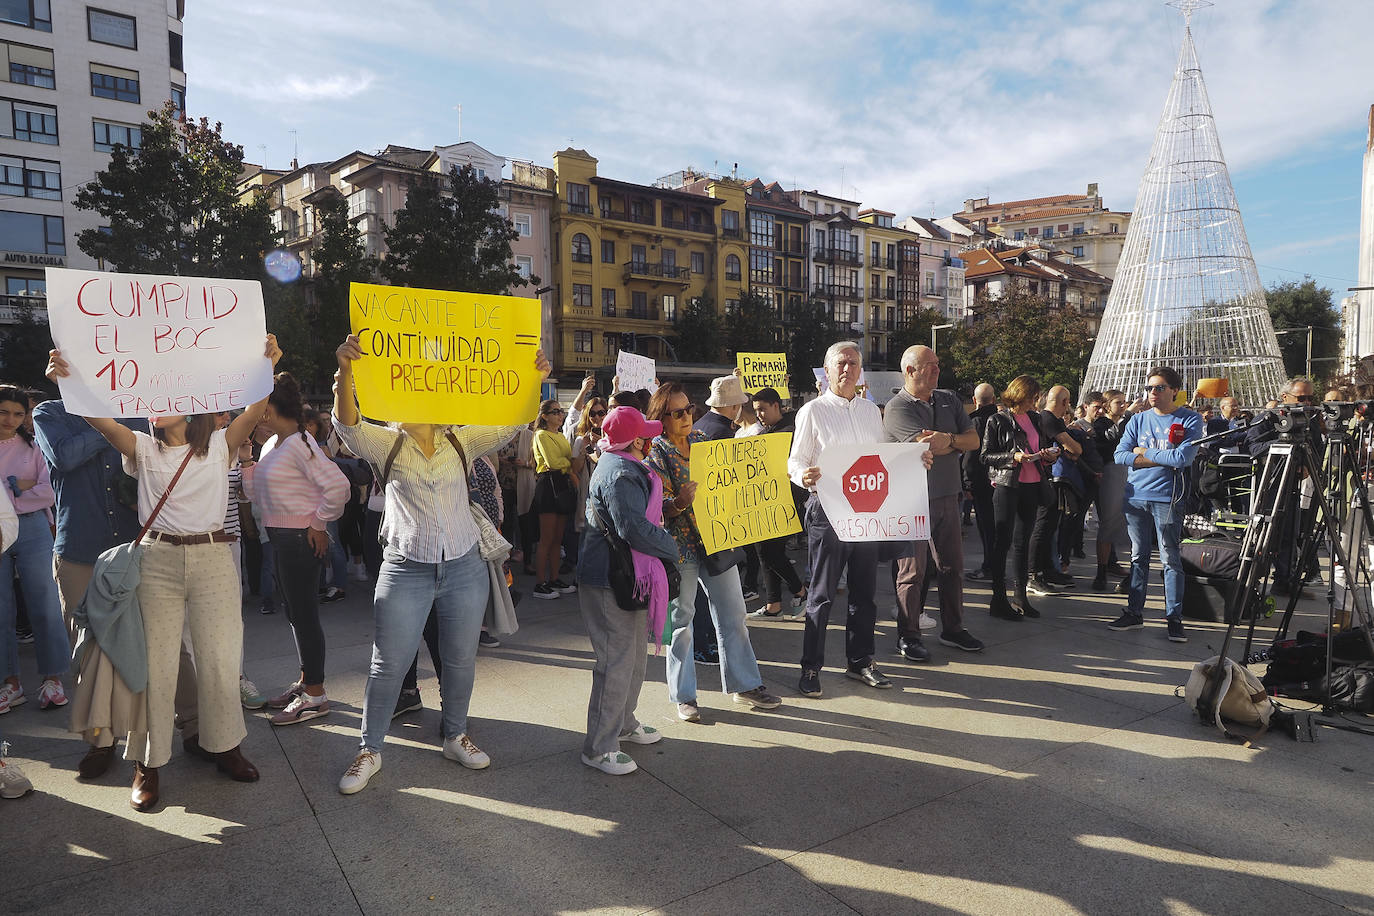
(1294, 305)
(917, 330)
(340, 260)
(172, 206)
(1019, 334)
(24, 348)
(698, 331)
(809, 332)
(752, 327)
(451, 236)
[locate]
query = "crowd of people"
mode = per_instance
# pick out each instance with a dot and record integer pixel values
(594, 501)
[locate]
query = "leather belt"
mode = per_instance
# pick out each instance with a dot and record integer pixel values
(190, 540)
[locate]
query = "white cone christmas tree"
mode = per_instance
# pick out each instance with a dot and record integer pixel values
(1187, 294)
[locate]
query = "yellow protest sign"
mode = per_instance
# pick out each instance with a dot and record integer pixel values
(762, 370)
(433, 356)
(743, 493)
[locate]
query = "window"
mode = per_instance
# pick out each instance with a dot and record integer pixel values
(26, 286)
(579, 198)
(930, 281)
(31, 178)
(582, 295)
(877, 253)
(582, 341)
(32, 14)
(608, 303)
(523, 225)
(1112, 228)
(607, 251)
(1077, 228)
(1047, 233)
(1078, 251)
(27, 121)
(638, 256)
(30, 66)
(670, 308)
(524, 264)
(760, 266)
(731, 306)
(669, 261)
(174, 50)
(1019, 235)
(1064, 229)
(761, 230)
(639, 304)
(698, 262)
(610, 343)
(111, 28)
(114, 83)
(178, 102)
(581, 249)
(32, 232)
(732, 271)
(729, 222)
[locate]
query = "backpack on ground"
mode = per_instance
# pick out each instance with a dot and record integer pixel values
(1241, 697)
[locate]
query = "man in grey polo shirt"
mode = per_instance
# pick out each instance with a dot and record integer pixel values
(920, 412)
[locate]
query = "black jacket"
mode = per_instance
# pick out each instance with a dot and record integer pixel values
(1002, 439)
(975, 475)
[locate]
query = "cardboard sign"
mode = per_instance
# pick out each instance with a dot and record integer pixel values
(141, 345)
(762, 370)
(743, 494)
(433, 356)
(875, 492)
(635, 372)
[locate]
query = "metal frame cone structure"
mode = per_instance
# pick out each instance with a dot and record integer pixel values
(1187, 294)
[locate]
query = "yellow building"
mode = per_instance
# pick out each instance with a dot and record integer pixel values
(628, 257)
(891, 251)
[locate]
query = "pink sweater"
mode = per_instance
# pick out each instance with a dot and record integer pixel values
(22, 461)
(295, 485)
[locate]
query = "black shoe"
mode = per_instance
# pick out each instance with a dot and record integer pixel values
(913, 650)
(1124, 586)
(1058, 579)
(1002, 609)
(978, 575)
(546, 591)
(751, 594)
(1100, 582)
(708, 656)
(487, 641)
(810, 683)
(408, 701)
(1127, 621)
(1175, 625)
(962, 640)
(868, 674)
(332, 594)
(1041, 587)
(1023, 606)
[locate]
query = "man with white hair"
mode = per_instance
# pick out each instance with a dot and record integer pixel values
(838, 416)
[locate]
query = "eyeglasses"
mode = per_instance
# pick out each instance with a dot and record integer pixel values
(1302, 397)
(555, 412)
(681, 411)
(1157, 389)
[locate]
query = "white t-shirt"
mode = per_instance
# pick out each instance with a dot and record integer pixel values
(197, 504)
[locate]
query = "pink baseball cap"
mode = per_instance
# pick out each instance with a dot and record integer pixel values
(624, 425)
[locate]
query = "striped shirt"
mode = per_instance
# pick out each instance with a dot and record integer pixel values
(427, 518)
(831, 420)
(296, 485)
(231, 511)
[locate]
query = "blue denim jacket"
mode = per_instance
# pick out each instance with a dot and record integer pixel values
(619, 488)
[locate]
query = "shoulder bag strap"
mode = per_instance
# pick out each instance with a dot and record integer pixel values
(458, 447)
(391, 459)
(152, 517)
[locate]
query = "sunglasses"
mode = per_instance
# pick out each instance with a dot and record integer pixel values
(596, 413)
(1303, 397)
(554, 413)
(1157, 389)
(681, 412)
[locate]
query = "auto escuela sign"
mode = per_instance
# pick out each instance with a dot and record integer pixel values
(875, 492)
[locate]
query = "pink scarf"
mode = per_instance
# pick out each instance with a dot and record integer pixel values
(650, 579)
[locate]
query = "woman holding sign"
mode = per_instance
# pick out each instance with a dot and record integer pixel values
(186, 577)
(671, 457)
(430, 560)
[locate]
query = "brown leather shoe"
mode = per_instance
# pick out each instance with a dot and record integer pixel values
(192, 747)
(96, 762)
(144, 794)
(234, 765)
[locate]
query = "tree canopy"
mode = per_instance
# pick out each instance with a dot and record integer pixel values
(1294, 305)
(698, 331)
(809, 332)
(1019, 334)
(752, 327)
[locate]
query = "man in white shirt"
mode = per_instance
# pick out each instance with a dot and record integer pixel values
(838, 416)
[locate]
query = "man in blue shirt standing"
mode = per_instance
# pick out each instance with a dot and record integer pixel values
(1158, 445)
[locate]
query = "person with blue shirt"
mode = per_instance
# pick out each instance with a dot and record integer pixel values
(1157, 446)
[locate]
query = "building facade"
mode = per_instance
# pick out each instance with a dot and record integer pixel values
(79, 80)
(777, 234)
(1080, 226)
(992, 272)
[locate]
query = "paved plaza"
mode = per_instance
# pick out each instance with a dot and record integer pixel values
(1056, 772)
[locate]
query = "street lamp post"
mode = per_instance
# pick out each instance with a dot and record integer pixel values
(933, 329)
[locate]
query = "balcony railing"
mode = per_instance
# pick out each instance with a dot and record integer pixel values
(11, 307)
(879, 295)
(650, 313)
(650, 270)
(731, 232)
(574, 206)
(837, 291)
(882, 262)
(839, 256)
(674, 223)
(796, 284)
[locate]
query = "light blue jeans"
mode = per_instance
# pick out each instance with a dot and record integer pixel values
(406, 590)
(1148, 522)
(739, 668)
(31, 555)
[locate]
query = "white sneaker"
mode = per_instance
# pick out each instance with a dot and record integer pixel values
(928, 622)
(642, 734)
(11, 695)
(461, 749)
(249, 694)
(13, 782)
(617, 764)
(356, 776)
(51, 694)
(357, 571)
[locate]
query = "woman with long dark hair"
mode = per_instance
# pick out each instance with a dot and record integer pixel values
(555, 497)
(585, 455)
(186, 577)
(300, 491)
(1018, 458)
(24, 473)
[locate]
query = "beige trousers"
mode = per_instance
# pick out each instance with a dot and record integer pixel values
(191, 587)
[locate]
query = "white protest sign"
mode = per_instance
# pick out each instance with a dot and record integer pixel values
(883, 386)
(875, 492)
(635, 372)
(141, 345)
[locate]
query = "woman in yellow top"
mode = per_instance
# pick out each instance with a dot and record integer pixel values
(555, 496)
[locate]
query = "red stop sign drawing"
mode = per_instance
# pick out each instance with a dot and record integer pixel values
(865, 484)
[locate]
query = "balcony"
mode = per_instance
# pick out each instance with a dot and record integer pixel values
(731, 232)
(882, 262)
(839, 256)
(578, 206)
(837, 291)
(937, 292)
(657, 272)
(650, 313)
(794, 284)
(628, 216)
(12, 307)
(879, 295)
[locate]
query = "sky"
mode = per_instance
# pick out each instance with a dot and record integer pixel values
(910, 106)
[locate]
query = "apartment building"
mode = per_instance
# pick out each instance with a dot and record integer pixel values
(992, 272)
(778, 246)
(627, 257)
(940, 284)
(79, 79)
(835, 258)
(1079, 225)
(892, 293)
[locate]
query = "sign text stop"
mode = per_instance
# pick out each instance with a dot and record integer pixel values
(865, 484)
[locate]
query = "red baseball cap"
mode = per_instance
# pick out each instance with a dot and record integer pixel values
(624, 425)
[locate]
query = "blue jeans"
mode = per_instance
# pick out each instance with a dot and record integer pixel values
(406, 590)
(739, 668)
(1148, 522)
(31, 554)
(338, 560)
(267, 578)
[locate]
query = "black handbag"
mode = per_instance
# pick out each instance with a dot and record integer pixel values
(620, 570)
(718, 562)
